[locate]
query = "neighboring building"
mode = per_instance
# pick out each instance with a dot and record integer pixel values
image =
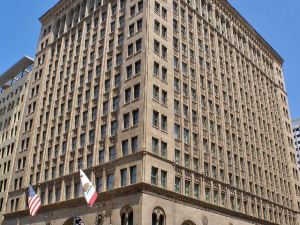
(13, 93)
(296, 130)
(176, 110)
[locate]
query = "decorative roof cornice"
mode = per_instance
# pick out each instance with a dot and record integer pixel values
(251, 30)
(58, 6)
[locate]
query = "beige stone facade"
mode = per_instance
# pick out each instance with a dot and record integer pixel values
(176, 110)
(13, 93)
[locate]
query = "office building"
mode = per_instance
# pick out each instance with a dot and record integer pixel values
(176, 110)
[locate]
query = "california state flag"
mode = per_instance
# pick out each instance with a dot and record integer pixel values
(89, 191)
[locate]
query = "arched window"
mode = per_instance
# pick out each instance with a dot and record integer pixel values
(158, 216)
(126, 216)
(188, 223)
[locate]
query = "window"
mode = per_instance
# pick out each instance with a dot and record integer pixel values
(177, 184)
(133, 175)
(117, 80)
(176, 84)
(156, 26)
(187, 187)
(154, 177)
(177, 156)
(164, 13)
(164, 97)
(139, 25)
(138, 45)
(127, 95)
(101, 156)
(177, 131)
(125, 147)
(131, 30)
(207, 194)
(112, 153)
(99, 184)
(156, 69)
(164, 52)
(163, 178)
(123, 177)
(135, 117)
(132, 10)
(196, 191)
(158, 216)
(140, 6)
(110, 182)
(186, 136)
(156, 47)
(155, 119)
(157, 7)
(115, 103)
(164, 74)
(114, 128)
(126, 120)
(163, 146)
(134, 144)
(156, 92)
(126, 216)
(155, 145)
(163, 123)
(136, 91)
(164, 32)
(186, 160)
(137, 67)
(129, 71)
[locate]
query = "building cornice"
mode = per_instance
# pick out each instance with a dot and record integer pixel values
(252, 31)
(239, 18)
(57, 7)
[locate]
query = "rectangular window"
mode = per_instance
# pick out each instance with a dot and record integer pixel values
(178, 184)
(124, 147)
(155, 119)
(110, 180)
(112, 153)
(101, 156)
(154, 176)
(177, 131)
(163, 146)
(133, 175)
(163, 178)
(155, 145)
(187, 187)
(196, 191)
(135, 117)
(127, 95)
(99, 184)
(134, 144)
(126, 120)
(123, 177)
(136, 89)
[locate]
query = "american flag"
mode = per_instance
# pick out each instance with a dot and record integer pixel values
(34, 201)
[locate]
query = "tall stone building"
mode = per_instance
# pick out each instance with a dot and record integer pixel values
(176, 110)
(296, 130)
(13, 93)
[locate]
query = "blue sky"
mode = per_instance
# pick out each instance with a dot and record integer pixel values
(276, 20)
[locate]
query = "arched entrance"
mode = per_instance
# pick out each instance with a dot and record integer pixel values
(74, 221)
